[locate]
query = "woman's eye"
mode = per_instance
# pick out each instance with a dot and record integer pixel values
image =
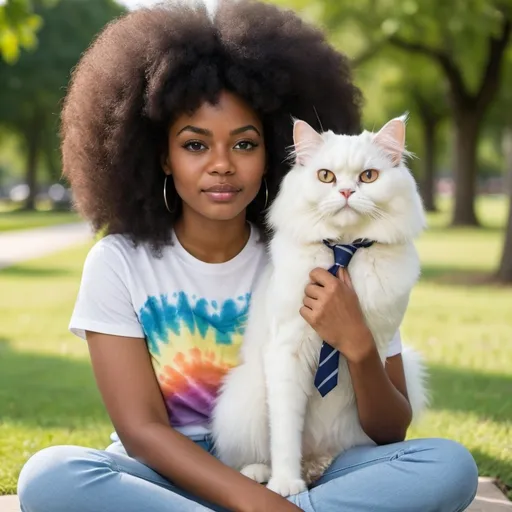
(369, 175)
(326, 176)
(194, 146)
(245, 145)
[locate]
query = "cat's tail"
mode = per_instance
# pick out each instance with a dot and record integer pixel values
(416, 379)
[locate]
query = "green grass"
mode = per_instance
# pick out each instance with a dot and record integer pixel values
(457, 317)
(12, 220)
(462, 322)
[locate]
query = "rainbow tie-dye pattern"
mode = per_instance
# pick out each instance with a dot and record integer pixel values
(193, 343)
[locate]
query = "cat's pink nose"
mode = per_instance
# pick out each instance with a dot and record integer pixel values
(346, 192)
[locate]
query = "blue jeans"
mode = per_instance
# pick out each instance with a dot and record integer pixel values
(424, 475)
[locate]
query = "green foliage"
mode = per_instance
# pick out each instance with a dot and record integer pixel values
(461, 28)
(36, 84)
(394, 81)
(19, 25)
(32, 90)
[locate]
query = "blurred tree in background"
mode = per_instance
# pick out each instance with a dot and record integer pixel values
(501, 124)
(446, 62)
(465, 39)
(31, 90)
(417, 88)
(19, 24)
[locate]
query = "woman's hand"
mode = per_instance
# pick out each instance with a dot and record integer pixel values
(332, 308)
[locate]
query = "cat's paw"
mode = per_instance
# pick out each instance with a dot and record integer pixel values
(286, 486)
(314, 468)
(258, 472)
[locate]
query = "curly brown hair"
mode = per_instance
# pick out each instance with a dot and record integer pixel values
(150, 65)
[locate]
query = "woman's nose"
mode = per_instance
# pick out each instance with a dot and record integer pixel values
(221, 163)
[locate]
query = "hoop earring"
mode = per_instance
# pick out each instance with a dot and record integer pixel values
(165, 197)
(266, 193)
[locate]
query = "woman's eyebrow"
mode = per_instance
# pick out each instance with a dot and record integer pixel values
(195, 129)
(244, 129)
(208, 133)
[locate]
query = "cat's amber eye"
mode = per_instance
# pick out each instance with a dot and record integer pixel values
(326, 176)
(369, 175)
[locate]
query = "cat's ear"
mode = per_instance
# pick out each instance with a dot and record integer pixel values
(306, 141)
(391, 138)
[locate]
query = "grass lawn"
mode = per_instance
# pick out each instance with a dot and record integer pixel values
(11, 220)
(460, 320)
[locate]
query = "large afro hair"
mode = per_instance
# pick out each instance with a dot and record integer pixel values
(150, 65)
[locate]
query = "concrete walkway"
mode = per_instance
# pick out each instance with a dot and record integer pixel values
(19, 246)
(489, 499)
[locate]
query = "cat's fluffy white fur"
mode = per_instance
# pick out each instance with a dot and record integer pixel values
(268, 413)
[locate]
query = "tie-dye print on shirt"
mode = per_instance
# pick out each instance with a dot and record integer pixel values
(191, 313)
(193, 343)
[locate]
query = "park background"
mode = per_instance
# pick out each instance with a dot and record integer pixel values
(449, 64)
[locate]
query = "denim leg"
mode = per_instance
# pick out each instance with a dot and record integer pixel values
(78, 479)
(423, 475)
(419, 475)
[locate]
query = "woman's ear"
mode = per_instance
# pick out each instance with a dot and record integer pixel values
(164, 162)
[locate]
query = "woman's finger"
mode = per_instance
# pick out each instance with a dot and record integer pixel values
(309, 302)
(321, 276)
(306, 314)
(313, 290)
(344, 277)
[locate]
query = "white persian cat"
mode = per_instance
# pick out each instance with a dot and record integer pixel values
(269, 419)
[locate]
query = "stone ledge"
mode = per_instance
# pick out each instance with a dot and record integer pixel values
(488, 499)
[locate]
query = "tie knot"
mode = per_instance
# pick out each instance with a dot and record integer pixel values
(343, 252)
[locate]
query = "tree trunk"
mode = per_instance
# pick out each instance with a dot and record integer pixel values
(504, 273)
(467, 127)
(33, 142)
(428, 180)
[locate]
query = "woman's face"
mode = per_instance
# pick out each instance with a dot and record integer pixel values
(217, 158)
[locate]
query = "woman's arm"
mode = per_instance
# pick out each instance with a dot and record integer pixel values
(131, 394)
(381, 394)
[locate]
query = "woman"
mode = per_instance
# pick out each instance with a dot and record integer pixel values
(175, 136)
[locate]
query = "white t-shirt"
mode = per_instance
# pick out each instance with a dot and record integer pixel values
(192, 315)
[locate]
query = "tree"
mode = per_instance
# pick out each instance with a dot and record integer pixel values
(19, 25)
(504, 273)
(500, 117)
(418, 88)
(468, 107)
(466, 39)
(432, 115)
(33, 88)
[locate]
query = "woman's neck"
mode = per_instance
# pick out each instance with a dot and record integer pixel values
(212, 241)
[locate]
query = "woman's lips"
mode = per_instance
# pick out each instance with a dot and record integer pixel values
(221, 193)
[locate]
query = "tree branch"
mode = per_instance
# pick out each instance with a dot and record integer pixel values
(431, 113)
(366, 55)
(491, 76)
(452, 72)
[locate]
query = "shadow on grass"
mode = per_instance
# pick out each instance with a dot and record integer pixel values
(48, 391)
(500, 469)
(452, 275)
(487, 395)
(444, 227)
(26, 271)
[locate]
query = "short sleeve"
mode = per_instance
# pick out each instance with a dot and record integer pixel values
(395, 345)
(104, 301)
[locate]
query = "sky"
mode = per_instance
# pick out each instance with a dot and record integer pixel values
(132, 4)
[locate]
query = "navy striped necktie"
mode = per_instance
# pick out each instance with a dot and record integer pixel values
(326, 376)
